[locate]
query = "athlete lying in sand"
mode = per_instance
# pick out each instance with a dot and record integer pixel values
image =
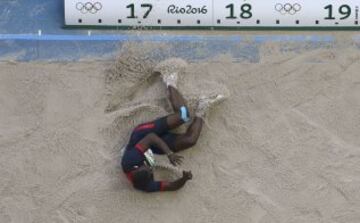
(156, 136)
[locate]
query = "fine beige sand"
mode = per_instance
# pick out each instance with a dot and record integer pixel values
(283, 148)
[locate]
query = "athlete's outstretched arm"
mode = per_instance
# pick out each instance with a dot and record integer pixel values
(153, 140)
(179, 183)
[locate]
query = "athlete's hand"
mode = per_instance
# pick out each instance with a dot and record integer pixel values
(175, 159)
(187, 175)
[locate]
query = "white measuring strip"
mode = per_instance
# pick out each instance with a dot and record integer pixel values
(213, 13)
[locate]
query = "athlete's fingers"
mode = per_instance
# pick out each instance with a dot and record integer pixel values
(190, 175)
(180, 160)
(176, 159)
(173, 162)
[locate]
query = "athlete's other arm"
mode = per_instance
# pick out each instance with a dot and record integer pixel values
(179, 183)
(156, 186)
(153, 140)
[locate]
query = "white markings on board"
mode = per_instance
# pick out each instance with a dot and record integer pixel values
(88, 7)
(213, 13)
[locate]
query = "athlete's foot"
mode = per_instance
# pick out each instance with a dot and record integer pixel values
(170, 69)
(207, 102)
(170, 79)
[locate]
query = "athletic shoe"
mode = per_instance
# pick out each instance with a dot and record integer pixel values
(207, 102)
(170, 69)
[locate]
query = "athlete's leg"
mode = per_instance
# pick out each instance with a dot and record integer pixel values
(174, 120)
(181, 110)
(188, 139)
(176, 99)
(162, 125)
(179, 142)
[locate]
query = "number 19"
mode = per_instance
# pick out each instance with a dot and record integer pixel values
(344, 10)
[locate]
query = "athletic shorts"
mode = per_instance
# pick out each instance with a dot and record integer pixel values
(160, 128)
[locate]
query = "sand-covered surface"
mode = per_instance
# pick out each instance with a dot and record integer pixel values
(284, 147)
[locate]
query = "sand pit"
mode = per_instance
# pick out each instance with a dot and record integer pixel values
(284, 147)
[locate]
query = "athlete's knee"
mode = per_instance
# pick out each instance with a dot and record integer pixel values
(151, 134)
(184, 114)
(190, 141)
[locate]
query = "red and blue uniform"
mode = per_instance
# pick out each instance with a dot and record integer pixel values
(134, 153)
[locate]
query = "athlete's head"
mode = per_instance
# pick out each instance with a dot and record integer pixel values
(142, 176)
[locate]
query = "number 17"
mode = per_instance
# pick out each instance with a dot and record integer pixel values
(132, 10)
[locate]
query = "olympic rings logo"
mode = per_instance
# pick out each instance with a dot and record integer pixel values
(288, 8)
(89, 7)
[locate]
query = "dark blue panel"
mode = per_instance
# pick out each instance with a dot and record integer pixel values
(27, 16)
(18, 50)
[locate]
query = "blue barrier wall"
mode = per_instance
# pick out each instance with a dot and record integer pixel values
(21, 20)
(27, 16)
